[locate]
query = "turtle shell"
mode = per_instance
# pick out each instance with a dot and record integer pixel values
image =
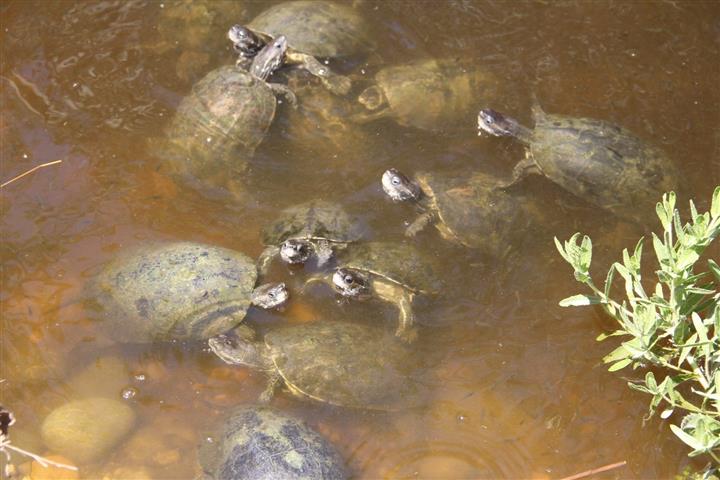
(313, 219)
(183, 291)
(398, 262)
(450, 90)
(220, 124)
(344, 364)
(260, 443)
(317, 27)
(475, 212)
(603, 163)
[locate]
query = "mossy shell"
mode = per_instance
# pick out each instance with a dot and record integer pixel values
(317, 27)
(602, 163)
(219, 125)
(344, 364)
(432, 94)
(400, 263)
(174, 291)
(260, 443)
(313, 219)
(473, 212)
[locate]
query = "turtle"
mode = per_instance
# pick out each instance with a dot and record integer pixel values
(429, 94)
(248, 44)
(471, 210)
(178, 291)
(596, 160)
(339, 363)
(311, 228)
(391, 272)
(260, 443)
(218, 127)
(321, 28)
(321, 127)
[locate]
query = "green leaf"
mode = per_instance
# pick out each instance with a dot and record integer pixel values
(609, 280)
(689, 440)
(714, 268)
(620, 365)
(560, 249)
(580, 300)
(715, 204)
(686, 259)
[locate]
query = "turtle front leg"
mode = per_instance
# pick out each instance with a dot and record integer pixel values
(419, 224)
(318, 278)
(523, 168)
(323, 252)
(337, 84)
(266, 258)
(284, 90)
(402, 298)
(274, 381)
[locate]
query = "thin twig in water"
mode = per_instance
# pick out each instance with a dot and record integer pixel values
(43, 165)
(45, 462)
(593, 471)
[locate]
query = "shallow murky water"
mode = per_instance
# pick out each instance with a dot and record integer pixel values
(516, 384)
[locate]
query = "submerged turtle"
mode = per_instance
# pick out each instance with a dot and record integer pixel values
(321, 125)
(248, 44)
(596, 160)
(475, 212)
(320, 28)
(311, 228)
(218, 127)
(391, 272)
(179, 291)
(260, 443)
(427, 94)
(339, 363)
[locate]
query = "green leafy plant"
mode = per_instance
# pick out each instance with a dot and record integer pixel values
(673, 328)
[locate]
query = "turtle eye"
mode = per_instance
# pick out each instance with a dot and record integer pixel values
(395, 181)
(348, 279)
(271, 295)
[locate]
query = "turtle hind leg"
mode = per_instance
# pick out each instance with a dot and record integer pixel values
(419, 224)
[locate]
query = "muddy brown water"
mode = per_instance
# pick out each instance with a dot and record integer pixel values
(516, 387)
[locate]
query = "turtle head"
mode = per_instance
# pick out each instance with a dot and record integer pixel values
(236, 350)
(350, 283)
(244, 40)
(399, 187)
(495, 123)
(296, 251)
(270, 295)
(270, 58)
(372, 98)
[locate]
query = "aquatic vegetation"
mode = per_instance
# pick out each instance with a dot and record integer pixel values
(673, 329)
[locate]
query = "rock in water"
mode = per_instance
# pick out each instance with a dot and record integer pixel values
(85, 430)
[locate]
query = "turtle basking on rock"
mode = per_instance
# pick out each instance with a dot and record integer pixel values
(337, 363)
(179, 291)
(601, 162)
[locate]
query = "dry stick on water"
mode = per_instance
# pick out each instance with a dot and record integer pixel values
(593, 471)
(43, 165)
